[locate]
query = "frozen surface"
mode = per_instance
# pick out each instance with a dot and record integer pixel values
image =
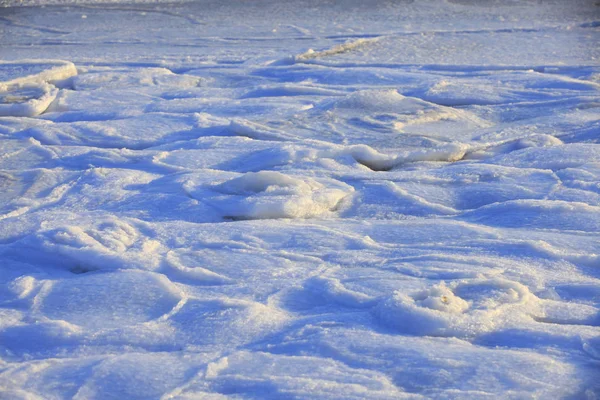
(26, 86)
(307, 199)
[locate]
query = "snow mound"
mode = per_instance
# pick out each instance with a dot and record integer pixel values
(269, 194)
(465, 308)
(133, 133)
(465, 186)
(226, 322)
(26, 88)
(382, 101)
(503, 87)
(107, 244)
(506, 147)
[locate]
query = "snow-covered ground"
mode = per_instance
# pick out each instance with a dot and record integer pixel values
(300, 199)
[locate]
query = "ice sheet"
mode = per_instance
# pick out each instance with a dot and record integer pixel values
(303, 199)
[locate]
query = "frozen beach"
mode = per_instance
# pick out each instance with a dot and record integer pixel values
(300, 199)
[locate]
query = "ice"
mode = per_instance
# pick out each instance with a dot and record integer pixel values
(27, 101)
(34, 71)
(307, 199)
(26, 87)
(136, 78)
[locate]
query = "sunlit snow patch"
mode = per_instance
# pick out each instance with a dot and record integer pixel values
(269, 194)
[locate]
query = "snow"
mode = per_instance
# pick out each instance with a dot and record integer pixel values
(26, 87)
(270, 194)
(337, 200)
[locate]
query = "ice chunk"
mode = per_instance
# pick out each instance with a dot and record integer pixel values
(27, 100)
(25, 86)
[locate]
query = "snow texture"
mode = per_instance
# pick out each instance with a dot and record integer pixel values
(299, 200)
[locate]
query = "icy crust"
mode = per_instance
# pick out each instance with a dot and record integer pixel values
(389, 110)
(94, 78)
(26, 100)
(339, 49)
(516, 87)
(23, 72)
(270, 194)
(26, 86)
(449, 366)
(539, 214)
(112, 300)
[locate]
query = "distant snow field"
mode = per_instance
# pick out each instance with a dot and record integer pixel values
(300, 200)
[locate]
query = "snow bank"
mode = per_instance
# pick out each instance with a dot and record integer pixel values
(221, 322)
(554, 158)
